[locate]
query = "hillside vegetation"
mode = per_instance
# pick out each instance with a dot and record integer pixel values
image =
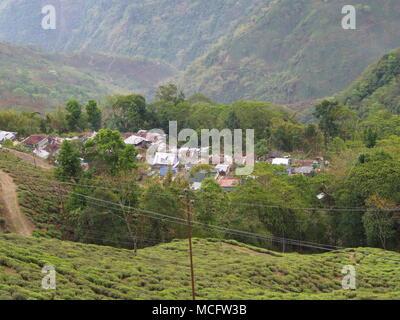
(34, 80)
(39, 196)
(296, 50)
(378, 88)
(176, 31)
(280, 51)
(223, 271)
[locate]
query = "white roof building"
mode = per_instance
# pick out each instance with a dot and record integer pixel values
(222, 168)
(195, 186)
(134, 140)
(5, 135)
(282, 161)
(165, 159)
(41, 153)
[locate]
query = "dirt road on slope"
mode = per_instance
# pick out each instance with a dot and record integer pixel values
(31, 159)
(16, 221)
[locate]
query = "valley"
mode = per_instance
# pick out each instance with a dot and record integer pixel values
(205, 150)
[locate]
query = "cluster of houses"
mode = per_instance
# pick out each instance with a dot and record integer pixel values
(165, 160)
(295, 166)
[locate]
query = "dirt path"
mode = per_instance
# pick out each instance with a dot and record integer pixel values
(31, 159)
(16, 221)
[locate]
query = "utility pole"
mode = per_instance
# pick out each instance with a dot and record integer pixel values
(189, 220)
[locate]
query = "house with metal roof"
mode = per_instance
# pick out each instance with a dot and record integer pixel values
(5, 135)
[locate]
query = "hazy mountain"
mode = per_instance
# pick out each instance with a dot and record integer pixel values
(296, 51)
(31, 79)
(177, 31)
(282, 51)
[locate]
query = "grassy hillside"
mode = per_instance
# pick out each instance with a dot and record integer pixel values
(223, 271)
(40, 197)
(295, 51)
(34, 80)
(378, 88)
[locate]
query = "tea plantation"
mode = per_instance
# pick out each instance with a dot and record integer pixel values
(223, 270)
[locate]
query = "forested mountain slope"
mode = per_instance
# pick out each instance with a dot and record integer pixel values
(281, 51)
(31, 79)
(378, 88)
(296, 51)
(177, 31)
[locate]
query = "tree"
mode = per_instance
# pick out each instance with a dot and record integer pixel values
(335, 120)
(312, 137)
(373, 175)
(89, 219)
(287, 136)
(211, 204)
(261, 148)
(378, 223)
(370, 137)
(74, 114)
(170, 93)
(129, 112)
(199, 97)
(68, 163)
(163, 200)
(232, 122)
(108, 153)
(93, 114)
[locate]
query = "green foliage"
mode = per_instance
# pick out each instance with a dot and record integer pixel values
(370, 138)
(261, 148)
(170, 93)
(223, 49)
(267, 58)
(334, 120)
(39, 195)
(68, 162)
(128, 112)
(74, 115)
(31, 79)
(108, 153)
(378, 88)
(224, 270)
(93, 114)
(374, 175)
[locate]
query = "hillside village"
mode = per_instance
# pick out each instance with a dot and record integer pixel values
(165, 160)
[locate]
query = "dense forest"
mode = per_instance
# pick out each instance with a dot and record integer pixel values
(278, 51)
(34, 80)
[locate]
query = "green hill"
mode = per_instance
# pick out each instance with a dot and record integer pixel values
(378, 88)
(295, 51)
(222, 270)
(177, 31)
(282, 51)
(31, 79)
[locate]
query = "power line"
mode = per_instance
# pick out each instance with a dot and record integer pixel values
(244, 233)
(239, 232)
(353, 209)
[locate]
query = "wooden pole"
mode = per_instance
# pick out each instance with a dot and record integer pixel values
(189, 219)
